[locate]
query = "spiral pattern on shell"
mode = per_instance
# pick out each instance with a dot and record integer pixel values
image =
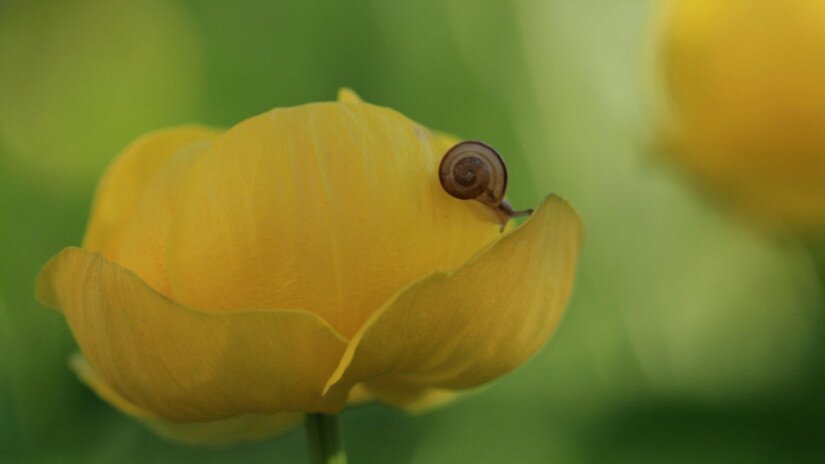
(474, 170)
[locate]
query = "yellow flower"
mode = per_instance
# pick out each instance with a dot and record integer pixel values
(746, 82)
(229, 282)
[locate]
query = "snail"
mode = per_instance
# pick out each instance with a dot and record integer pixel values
(475, 171)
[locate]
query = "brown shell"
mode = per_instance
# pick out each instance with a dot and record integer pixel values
(474, 170)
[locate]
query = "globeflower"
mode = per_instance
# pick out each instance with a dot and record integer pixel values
(306, 258)
(745, 83)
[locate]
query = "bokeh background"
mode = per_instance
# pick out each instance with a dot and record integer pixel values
(691, 337)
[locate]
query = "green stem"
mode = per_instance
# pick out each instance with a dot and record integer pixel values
(325, 445)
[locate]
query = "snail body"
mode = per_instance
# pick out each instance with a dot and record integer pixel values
(473, 170)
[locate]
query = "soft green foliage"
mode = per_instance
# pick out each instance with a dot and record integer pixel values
(690, 338)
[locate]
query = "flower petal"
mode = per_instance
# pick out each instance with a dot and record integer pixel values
(184, 364)
(134, 203)
(327, 207)
(460, 330)
(413, 400)
(347, 95)
(744, 104)
(239, 429)
(126, 179)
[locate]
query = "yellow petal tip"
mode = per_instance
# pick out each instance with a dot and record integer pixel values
(347, 95)
(44, 287)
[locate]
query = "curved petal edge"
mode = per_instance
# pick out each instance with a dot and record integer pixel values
(459, 330)
(187, 365)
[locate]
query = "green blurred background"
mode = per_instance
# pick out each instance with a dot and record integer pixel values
(690, 338)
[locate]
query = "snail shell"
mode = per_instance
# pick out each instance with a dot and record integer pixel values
(473, 170)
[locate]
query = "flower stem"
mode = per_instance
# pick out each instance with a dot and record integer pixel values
(325, 445)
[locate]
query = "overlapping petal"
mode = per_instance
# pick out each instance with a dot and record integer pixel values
(411, 399)
(125, 181)
(327, 207)
(188, 365)
(238, 429)
(459, 330)
(135, 202)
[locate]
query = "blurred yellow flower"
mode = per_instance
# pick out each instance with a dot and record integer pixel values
(229, 282)
(746, 85)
